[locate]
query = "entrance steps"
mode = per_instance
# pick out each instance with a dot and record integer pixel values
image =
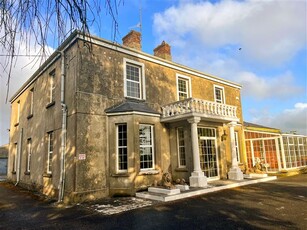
(213, 186)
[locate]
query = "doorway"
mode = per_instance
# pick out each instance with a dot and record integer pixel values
(208, 152)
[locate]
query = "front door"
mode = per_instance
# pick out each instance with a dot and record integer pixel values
(208, 152)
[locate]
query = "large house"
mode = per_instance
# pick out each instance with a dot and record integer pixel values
(99, 119)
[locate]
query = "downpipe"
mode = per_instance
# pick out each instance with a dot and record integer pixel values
(64, 129)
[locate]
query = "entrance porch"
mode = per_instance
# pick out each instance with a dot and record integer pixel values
(205, 118)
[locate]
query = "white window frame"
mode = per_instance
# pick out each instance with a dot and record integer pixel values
(213, 138)
(223, 92)
(50, 152)
(51, 86)
(237, 146)
(292, 153)
(15, 157)
(29, 152)
(122, 147)
(31, 101)
(142, 87)
(18, 111)
(179, 147)
(189, 85)
(148, 146)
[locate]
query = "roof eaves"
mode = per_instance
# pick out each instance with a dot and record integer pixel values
(53, 57)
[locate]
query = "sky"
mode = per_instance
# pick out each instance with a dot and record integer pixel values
(260, 44)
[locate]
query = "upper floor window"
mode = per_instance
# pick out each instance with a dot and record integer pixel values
(134, 79)
(18, 112)
(183, 87)
(219, 94)
(146, 147)
(50, 152)
(51, 86)
(122, 153)
(31, 101)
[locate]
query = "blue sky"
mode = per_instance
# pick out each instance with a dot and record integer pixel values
(259, 44)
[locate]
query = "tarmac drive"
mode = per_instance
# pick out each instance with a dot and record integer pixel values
(279, 204)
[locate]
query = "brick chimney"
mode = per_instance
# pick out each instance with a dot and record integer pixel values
(163, 51)
(132, 40)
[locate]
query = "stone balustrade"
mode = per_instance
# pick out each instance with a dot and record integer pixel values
(201, 108)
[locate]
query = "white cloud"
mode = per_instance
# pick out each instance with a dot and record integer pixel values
(278, 87)
(294, 119)
(270, 32)
(260, 87)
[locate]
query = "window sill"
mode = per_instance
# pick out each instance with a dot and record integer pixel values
(135, 99)
(29, 116)
(181, 169)
(124, 174)
(50, 104)
(149, 172)
(48, 175)
(16, 124)
(27, 173)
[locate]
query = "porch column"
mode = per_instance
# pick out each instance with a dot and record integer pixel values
(197, 178)
(235, 172)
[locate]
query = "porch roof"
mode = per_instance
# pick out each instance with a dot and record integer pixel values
(131, 105)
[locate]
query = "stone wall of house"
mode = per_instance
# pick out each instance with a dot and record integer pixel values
(100, 85)
(46, 117)
(94, 82)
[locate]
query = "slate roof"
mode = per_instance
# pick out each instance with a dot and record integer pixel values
(131, 106)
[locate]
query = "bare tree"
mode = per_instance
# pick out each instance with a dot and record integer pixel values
(47, 20)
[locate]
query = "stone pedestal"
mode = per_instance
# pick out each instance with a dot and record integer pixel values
(198, 179)
(235, 174)
(182, 187)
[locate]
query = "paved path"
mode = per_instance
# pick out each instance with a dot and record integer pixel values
(280, 204)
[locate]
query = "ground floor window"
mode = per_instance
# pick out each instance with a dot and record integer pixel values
(15, 154)
(265, 151)
(295, 150)
(181, 147)
(29, 150)
(146, 147)
(50, 152)
(122, 153)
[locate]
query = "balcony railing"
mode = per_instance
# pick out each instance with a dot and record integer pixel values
(199, 107)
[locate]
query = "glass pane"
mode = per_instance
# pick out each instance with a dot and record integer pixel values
(146, 147)
(133, 73)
